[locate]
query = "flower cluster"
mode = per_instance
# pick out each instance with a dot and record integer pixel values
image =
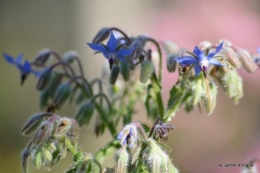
(52, 135)
(200, 73)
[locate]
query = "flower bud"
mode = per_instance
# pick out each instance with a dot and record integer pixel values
(137, 47)
(124, 70)
(128, 136)
(70, 56)
(63, 125)
(55, 81)
(157, 160)
(44, 132)
(247, 61)
(42, 56)
(114, 73)
(122, 159)
(211, 97)
(73, 132)
(33, 123)
(38, 159)
(44, 79)
(147, 69)
(101, 35)
(27, 160)
(62, 94)
(232, 84)
(171, 63)
(46, 154)
(170, 47)
(44, 97)
(85, 112)
(232, 57)
(198, 89)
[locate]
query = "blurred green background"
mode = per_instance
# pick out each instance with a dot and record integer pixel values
(200, 142)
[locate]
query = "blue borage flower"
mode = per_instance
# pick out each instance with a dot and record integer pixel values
(200, 60)
(25, 68)
(112, 51)
(128, 136)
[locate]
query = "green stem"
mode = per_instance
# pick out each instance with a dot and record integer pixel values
(107, 100)
(71, 148)
(158, 94)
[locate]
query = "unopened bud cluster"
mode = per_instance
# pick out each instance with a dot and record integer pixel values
(148, 153)
(50, 136)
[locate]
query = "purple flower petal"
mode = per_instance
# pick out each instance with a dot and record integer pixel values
(124, 52)
(187, 60)
(197, 51)
(210, 55)
(112, 43)
(197, 69)
(27, 67)
(8, 58)
(19, 59)
(98, 47)
(215, 62)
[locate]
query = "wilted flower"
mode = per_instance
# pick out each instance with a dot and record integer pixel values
(162, 130)
(128, 136)
(112, 51)
(25, 68)
(200, 60)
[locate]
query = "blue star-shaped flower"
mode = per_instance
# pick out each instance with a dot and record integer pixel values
(25, 68)
(112, 51)
(200, 60)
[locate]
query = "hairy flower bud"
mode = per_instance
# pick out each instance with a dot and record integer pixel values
(27, 160)
(122, 159)
(44, 79)
(62, 94)
(211, 97)
(85, 112)
(63, 125)
(34, 122)
(232, 57)
(171, 63)
(198, 89)
(124, 70)
(114, 73)
(247, 61)
(102, 34)
(233, 85)
(44, 132)
(43, 56)
(147, 69)
(38, 159)
(157, 160)
(137, 47)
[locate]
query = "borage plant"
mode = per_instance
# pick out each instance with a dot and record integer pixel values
(135, 76)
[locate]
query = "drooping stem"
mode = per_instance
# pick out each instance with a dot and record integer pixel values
(106, 98)
(123, 33)
(64, 65)
(154, 124)
(160, 56)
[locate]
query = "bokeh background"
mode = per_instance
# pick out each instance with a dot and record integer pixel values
(200, 142)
